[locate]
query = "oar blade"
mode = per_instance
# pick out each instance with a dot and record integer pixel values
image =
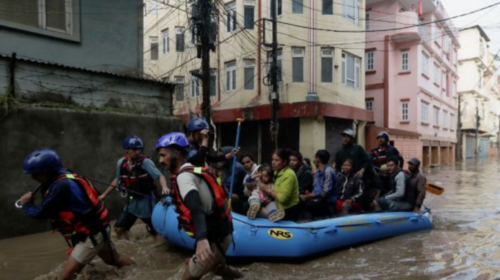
(434, 189)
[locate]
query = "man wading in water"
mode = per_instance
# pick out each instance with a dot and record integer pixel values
(201, 203)
(73, 206)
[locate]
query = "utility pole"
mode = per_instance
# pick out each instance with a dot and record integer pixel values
(459, 149)
(275, 71)
(477, 128)
(205, 34)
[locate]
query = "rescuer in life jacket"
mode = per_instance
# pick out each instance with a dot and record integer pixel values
(136, 173)
(385, 151)
(201, 203)
(73, 206)
(198, 153)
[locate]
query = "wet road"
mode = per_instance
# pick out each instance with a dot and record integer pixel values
(464, 244)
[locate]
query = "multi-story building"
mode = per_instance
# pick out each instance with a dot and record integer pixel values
(411, 75)
(321, 58)
(479, 98)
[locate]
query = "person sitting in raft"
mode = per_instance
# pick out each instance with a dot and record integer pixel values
(303, 172)
(324, 193)
(417, 184)
(226, 166)
(350, 189)
(395, 199)
(286, 185)
(308, 162)
(252, 170)
(261, 203)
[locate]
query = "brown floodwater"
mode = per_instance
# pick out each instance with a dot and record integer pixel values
(464, 244)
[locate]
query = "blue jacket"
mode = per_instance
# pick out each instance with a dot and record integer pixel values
(65, 195)
(325, 184)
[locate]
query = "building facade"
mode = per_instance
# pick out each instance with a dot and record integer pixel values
(321, 62)
(479, 96)
(411, 77)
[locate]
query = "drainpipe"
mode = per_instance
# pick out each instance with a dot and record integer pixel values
(259, 48)
(312, 95)
(386, 81)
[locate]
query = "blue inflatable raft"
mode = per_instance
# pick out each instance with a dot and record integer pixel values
(262, 238)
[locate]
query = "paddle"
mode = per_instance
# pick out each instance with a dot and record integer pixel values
(239, 120)
(437, 190)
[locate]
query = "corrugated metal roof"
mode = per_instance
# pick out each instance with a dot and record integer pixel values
(102, 72)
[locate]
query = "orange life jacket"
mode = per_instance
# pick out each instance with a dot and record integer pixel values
(77, 227)
(135, 178)
(219, 194)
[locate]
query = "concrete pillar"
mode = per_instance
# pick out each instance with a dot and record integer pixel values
(312, 135)
(361, 134)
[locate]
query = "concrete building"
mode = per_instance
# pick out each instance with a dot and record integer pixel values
(411, 76)
(479, 96)
(91, 34)
(321, 81)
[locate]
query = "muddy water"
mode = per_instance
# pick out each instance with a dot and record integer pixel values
(465, 244)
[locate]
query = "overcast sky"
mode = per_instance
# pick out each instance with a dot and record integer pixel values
(488, 19)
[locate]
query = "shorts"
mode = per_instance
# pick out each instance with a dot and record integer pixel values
(84, 252)
(127, 220)
(390, 205)
(197, 270)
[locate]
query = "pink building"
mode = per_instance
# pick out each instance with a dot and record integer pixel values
(411, 77)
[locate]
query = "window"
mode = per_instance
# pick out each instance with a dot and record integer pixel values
(153, 47)
(437, 71)
(425, 64)
(452, 122)
(165, 41)
(298, 65)
(405, 61)
(481, 48)
(424, 112)
(436, 116)
(297, 6)
(480, 84)
(194, 37)
(195, 86)
(270, 61)
(328, 7)
(231, 17)
(350, 70)
(368, 16)
(179, 88)
(179, 39)
(444, 82)
(213, 82)
(351, 10)
(230, 76)
(249, 73)
(370, 60)
(249, 14)
(48, 17)
(404, 110)
(279, 7)
(445, 120)
(369, 105)
(327, 55)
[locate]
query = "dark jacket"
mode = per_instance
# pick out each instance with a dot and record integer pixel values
(380, 155)
(354, 152)
(197, 155)
(417, 183)
(306, 179)
(239, 175)
(349, 186)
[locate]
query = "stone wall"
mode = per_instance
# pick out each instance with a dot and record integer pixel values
(90, 143)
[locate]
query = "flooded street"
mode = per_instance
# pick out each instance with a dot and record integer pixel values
(464, 244)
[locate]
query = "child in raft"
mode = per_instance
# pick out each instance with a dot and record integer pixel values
(261, 204)
(350, 189)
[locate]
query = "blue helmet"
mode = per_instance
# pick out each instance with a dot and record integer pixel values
(41, 161)
(133, 142)
(171, 139)
(383, 134)
(197, 124)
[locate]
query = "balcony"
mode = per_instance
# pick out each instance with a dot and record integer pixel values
(402, 27)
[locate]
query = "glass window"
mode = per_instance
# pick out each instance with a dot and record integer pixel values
(405, 61)
(404, 111)
(249, 14)
(327, 55)
(351, 10)
(153, 47)
(350, 70)
(179, 39)
(249, 73)
(165, 41)
(370, 61)
(213, 83)
(425, 64)
(424, 114)
(297, 6)
(195, 87)
(179, 88)
(436, 116)
(231, 17)
(369, 105)
(230, 76)
(298, 65)
(327, 7)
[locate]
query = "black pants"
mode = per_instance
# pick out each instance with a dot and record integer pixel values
(127, 220)
(317, 207)
(292, 213)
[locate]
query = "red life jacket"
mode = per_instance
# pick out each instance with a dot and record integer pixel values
(136, 178)
(77, 227)
(219, 194)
